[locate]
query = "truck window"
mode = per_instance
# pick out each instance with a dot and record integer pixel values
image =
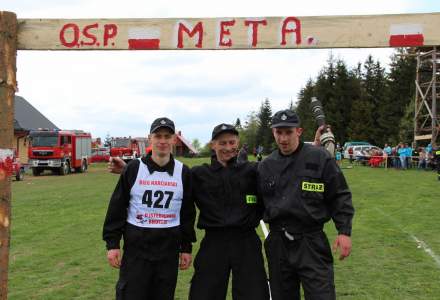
(65, 140)
(44, 141)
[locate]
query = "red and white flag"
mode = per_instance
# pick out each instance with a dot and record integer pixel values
(143, 38)
(406, 35)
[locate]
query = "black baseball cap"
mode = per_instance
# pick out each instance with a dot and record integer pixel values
(162, 123)
(285, 118)
(221, 128)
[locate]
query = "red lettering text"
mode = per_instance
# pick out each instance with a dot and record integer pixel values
(110, 31)
(197, 29)
(89, 35)
(287, 29)
(225, 31)
(255, 29)
(71, 35)
(75, 39)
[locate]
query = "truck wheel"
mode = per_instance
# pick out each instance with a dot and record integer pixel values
(65, 168)
(20, 175)
(36, 172)
(83, 167)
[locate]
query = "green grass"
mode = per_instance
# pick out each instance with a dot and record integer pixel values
(57, 251)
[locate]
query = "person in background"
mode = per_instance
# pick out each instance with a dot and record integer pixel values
(402, 155)
(243, 153)
(422, 158)
(387, 151)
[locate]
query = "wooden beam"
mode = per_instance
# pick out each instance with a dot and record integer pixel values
(423, 137)
(8, 54)
(368, 31)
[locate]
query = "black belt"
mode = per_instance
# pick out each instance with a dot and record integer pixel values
(229, 230)
(291, 234)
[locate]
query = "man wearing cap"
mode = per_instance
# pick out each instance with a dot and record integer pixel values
(225, 191)
(152, 210)
(436, 156)
(302, 188)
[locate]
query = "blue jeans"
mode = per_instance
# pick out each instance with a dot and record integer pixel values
(403, 162)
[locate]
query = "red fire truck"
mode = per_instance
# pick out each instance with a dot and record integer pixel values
(10, 165)
(59, 151)
(128, 148)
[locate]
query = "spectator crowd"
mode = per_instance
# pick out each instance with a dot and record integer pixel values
(401, 156)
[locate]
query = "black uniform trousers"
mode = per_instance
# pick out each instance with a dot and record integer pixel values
(307, 260)
(438, 169)
(222, 251)
(144, 279)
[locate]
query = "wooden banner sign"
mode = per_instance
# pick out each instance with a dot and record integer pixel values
(230, 33)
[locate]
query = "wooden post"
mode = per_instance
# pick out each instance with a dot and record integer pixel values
(8, 84)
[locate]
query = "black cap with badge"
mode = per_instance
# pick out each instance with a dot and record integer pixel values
(162, 123)
(285, 118)
(223, 128)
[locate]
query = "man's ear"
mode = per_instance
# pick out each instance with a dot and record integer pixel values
(174, 139)
(299, 131)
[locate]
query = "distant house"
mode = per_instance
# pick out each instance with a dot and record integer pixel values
(184, 147)
(27, 118)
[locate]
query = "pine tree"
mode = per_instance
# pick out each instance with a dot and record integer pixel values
(107, 140)
(291, 106)
(304, 112)
(264, 132)
(248, 135)
(400, 92)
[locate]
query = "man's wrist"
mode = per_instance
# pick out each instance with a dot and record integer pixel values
(344, 231)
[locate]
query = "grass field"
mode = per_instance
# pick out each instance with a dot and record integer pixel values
(57, 251)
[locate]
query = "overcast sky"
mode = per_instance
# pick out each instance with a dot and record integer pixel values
(122, 92)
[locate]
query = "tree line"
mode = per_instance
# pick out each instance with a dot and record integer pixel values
(366, 102)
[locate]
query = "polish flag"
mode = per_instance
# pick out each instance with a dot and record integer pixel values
(406, 35)
(143, 38)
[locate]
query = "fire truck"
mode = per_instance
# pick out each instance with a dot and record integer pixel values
(128, 148)
(10, 165)
(59, 151)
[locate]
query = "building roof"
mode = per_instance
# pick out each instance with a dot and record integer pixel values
(187, 143)
(27, 117)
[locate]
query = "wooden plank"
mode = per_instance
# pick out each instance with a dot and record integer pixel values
(368, 31)
(8, 84)
(423, 137)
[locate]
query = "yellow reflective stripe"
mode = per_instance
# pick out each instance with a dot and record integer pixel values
(251, 199)
(312, 187)
(437, 152)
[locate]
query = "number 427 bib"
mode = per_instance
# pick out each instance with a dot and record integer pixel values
(156, 199)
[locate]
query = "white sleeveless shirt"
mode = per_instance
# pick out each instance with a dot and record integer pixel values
(156, 199)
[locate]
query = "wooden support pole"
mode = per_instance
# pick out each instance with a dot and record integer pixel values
(8, 84)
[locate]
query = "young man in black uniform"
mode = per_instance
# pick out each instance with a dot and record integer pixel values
(152, 210)
(436, 152)
(302, 188)
(225, 192)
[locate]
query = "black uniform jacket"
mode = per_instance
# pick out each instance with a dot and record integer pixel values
(304, 190)
(152, 243)
(227, 196)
